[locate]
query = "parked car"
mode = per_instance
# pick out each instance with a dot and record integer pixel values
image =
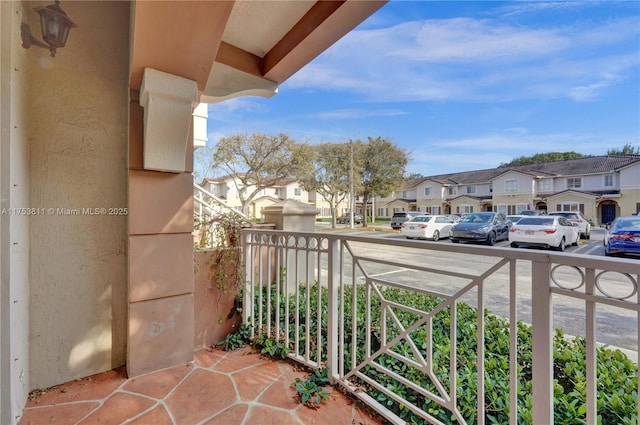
(579, 218)
(514, 218)
(623, 236)
(400, 217)
(455, 217)
(533, 212)
(346, 218)
(544, 231)
(427, 227)
(488, 227)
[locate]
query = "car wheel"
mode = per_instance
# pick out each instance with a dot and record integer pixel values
(408, 237)
(491, 239)
(514, 245)
(436, 235)
(561, 246)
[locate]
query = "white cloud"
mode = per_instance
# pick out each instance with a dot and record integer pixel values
(477, 59)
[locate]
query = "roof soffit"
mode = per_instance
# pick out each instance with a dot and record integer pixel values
(238, 47)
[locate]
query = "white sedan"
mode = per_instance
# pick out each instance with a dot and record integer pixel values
(544, 231)
(427, 227)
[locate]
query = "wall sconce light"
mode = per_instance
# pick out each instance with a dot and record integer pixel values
(55, 28)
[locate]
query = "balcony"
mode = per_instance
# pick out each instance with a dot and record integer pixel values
(385, 348)
(375, 339)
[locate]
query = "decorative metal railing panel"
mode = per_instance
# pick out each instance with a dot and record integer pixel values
(412, 327)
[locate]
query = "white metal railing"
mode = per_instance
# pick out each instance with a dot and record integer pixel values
(207, 207)
(297, 280)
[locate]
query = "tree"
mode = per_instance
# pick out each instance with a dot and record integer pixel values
(330, 177)
(413, 176)
(541, 158)
(203, 164)
(627, 149)
(259, 161)
(383, 168)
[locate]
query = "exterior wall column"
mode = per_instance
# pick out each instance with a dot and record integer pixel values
(161, 323)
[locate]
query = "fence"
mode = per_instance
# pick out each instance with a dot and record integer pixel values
(415, 328)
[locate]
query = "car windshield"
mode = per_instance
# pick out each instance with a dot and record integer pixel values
(477, 218)
(421, 219)
(629, 223)
(565, 215)
(535, 221)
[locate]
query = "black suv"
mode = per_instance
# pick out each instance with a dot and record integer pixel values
(400, 217)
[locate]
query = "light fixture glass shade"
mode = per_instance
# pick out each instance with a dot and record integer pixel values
(55, 25)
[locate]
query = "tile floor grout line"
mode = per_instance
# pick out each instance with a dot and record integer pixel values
(101, 402)
(237, 403)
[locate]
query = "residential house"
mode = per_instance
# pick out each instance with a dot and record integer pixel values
(601, 187)
(228, 188)
(107, 125)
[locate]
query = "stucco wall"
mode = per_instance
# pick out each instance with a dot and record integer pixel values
(14, 230)
(78, 124)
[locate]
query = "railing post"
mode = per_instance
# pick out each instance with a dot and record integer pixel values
(333, 319)
(542, 364)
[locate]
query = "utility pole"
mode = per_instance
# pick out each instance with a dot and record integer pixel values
(351, 200)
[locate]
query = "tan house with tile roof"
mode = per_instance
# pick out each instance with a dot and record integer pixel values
(602, 187)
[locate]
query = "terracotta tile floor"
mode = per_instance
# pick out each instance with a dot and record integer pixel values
(226, 388)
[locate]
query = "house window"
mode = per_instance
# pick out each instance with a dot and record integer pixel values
(503, 209)
(520, 208)
(465, 209)
(297, 192)
(398, 209)
(435, 210)
(471, 189)
(490, 187)
(608, 181)
(427, 191)
(511, 186)
(544, 184)
(405, 194)
(424, 210)
(382, 212)
(574, 182)
(571, 206)
(452, 190)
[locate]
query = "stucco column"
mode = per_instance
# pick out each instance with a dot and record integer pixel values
(160, 332)
(293, 216)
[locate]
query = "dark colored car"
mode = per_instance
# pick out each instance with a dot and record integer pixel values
(346, 218)
(487, 227)
(623, 236)
(402, 216)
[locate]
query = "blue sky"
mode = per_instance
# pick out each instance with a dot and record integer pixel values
(465, 85)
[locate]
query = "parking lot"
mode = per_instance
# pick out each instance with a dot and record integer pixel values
(593, 246)
(614, 327)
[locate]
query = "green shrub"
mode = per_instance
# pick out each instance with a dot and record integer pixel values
(616, 374)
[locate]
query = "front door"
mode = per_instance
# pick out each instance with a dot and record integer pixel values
(608, 213)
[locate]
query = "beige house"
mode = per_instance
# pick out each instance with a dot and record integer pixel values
(228, 187)
(602, 187)
(96, 250)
